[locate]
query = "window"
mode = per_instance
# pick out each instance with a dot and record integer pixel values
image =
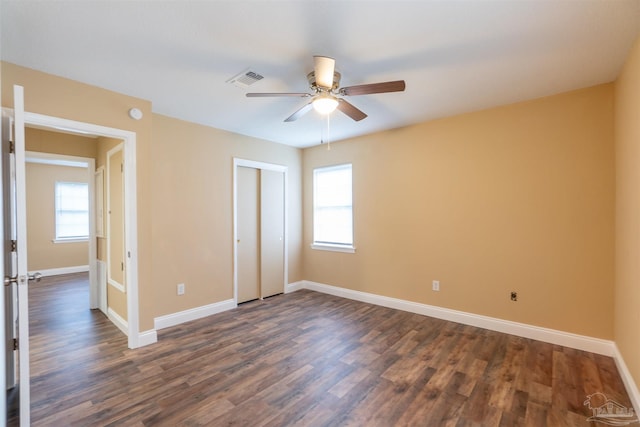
(332, 208)
(72, 211)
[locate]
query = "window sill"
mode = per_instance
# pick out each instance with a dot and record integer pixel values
(334, 248)
(78, 240)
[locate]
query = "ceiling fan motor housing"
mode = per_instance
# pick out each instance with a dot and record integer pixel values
(311, 78)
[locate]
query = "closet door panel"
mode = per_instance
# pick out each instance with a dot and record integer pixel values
(272, 232)
(248, 241)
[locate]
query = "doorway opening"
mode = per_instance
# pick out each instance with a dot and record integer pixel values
(66, 222)
(128, 321)
(60, 200)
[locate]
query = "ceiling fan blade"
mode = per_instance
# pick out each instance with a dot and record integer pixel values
(350, 110)
(264, 95)
(323, 68)
(301, 112)
(394, 86)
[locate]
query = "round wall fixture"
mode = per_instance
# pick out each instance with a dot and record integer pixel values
(135, 114)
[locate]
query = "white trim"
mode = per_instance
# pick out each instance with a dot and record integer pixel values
(238, 162)
(258, 165)
(131, 219)
(98, 183)
(71, 240)
(56, 159)
(62, 270)
(567, 339)
(627, 379)
(292, 287)
(147, 337)
(334, 248)
(100, 297)
(117, 149)
(116, 285)
(21, 254)
(117, 320)
(4, 269)
(174, 319)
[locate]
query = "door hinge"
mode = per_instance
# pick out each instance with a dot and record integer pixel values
(12, 147)
(15, 344)
(14, 246)
(122, 266)
(121, 167)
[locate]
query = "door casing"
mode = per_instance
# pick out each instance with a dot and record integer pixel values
(130, 215)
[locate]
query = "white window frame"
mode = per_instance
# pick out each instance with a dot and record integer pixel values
(330, 246)
(70, 239)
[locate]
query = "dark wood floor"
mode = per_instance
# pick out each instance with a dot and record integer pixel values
(300, 359)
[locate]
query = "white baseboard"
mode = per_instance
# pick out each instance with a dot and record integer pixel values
(169, 320)
(627, 379)
(146, 338)
(292, 287)
(115, 318)
(62, 270)
(567, 339)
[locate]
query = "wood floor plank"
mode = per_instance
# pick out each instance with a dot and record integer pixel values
(304, 359)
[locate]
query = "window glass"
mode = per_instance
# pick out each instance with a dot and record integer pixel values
(332, 206)
(72, 210)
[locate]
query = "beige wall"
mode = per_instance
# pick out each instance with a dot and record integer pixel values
(192, 230)
(59, 97)
(44, 141)
(513, 198)
(627, 251)
(43, 253)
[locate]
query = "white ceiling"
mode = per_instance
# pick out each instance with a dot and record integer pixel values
(455, 56)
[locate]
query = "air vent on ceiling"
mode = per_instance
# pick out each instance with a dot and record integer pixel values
(245, 79)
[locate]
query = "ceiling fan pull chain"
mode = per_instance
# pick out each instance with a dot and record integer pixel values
(328, 133)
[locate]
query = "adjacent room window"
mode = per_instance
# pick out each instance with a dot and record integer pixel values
(332, 208)
(72, 211)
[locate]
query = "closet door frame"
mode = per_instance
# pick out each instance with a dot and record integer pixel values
(238, 162)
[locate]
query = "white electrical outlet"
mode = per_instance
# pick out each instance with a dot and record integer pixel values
(436, 285)
(180, 288)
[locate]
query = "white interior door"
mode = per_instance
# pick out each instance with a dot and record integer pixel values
(15, 262)
(7, 359)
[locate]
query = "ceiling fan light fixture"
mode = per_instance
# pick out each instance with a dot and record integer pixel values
(325, 104)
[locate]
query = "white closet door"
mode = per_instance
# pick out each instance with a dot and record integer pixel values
(272, 233)
(248, 238)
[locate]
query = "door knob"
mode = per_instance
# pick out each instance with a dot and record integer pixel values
(35, 276)
(8, 280)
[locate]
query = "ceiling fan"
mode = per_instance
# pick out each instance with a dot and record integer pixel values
(327, 94)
